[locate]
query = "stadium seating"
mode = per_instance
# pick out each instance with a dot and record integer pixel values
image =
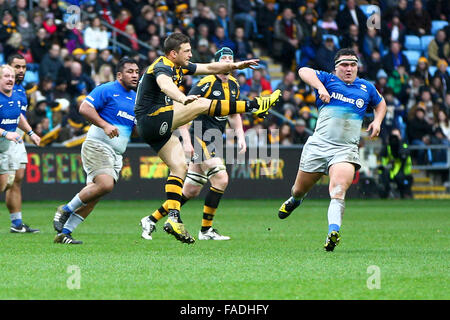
(2, 59)
(413, 43)
(335, 39)
(425, 41)
(369, 9)
(432, 70)
(437, 25)
(413, 56)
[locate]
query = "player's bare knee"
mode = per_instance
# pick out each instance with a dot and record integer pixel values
(337, 191)
(190, 191)
(220, 180)
(297, 192)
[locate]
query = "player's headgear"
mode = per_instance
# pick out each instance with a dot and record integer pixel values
(345, 52)
(225, 51)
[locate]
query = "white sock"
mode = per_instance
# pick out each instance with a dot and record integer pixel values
(336, 212)
(75, 203)
(73, 222)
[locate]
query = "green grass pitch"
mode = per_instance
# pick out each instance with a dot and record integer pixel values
(389, 250)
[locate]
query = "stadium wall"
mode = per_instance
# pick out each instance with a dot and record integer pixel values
(56, 173)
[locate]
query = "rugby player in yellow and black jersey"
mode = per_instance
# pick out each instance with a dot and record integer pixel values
(206, 165)
(161, 108)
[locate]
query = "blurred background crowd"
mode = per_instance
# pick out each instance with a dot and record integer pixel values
(406, 54)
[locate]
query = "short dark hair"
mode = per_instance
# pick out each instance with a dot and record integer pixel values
(174, 42)
(123, 62)
(344, 52)
(14, 56)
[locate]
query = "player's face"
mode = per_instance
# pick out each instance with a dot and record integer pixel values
(20, 67)
(129, 76)
(347, 70)
(227, 59)
(184, 54)
(7, 80)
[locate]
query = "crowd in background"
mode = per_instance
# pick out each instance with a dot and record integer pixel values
(68, 57)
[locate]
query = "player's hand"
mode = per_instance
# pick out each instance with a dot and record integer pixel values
(111, 131)
(14, 136)
(190, 99)
(375, 127)
(324, 95)
(246, 64)
(242, 146)
(188, 149)
(35, 139)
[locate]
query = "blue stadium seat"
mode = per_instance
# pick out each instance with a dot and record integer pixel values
(369, 9)
(432, 70)
(425, 41)
(437, 25)
(334, 37)
(413, 69)
(413, 43)
(2, 59)
(31, 77)
(274, 83)
(413, 56)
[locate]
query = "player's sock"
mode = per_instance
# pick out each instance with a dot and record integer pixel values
(71, 223)
(74, 204)
(209, 209)
(16, 219)
(163, 210)
(174, 189)
(224, 107)
(335, 214)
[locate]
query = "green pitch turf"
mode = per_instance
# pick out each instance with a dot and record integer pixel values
(389, 250)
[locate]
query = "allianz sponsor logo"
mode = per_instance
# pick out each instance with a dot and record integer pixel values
(125, 115)
(339, 96)
(10, 121)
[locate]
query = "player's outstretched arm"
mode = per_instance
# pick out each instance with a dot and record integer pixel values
(171, 90)
(309, 76)
(89, 112)
(224, 67)
(375, 125)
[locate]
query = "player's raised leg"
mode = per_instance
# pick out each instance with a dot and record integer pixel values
(303, 183)
(341, 177)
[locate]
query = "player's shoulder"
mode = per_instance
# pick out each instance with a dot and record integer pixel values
(366, 84)
(160, 62)
(233, 79)
(207, 79)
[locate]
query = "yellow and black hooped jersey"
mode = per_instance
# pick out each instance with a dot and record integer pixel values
(212, 87)
(149, 96)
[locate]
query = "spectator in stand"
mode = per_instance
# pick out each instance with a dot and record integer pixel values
(206, 18)
(439, 48)
(266, 20)
(95, 36)
(146, 18)
(49, 24)
(419, 134)
(395, 31)
(220, 40)
(329, 22)
(352, 14)
(80, 83)
(244, 88)
(400, 11)
(21, 6)
(301, 135)
(223, 20)
(40, 45)
(374, 64)
(395, 115)
(245, 16)
(25, 29)
(418, 20)
(325, 56)
(398, 82)
(104, 75)
(132, 40)
(42, 8)
(258, 83)
(437, 90)
(90, 62)
(310, 119)
(122, 20)
(13, 45)
(73, 37)
(286, 136)
(288, 82)
(243, 50)
(288, 34)
(202, 54)
(443, 74)
(413, 90)
(381, 82)
(438, 9)
(353, 36)
(442, 122)
(51, 63)
(311, 41)
(422, 71)
(395, 58)
(372, 42)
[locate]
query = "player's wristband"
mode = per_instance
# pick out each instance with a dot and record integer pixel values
(30, 133)
(4, 133)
